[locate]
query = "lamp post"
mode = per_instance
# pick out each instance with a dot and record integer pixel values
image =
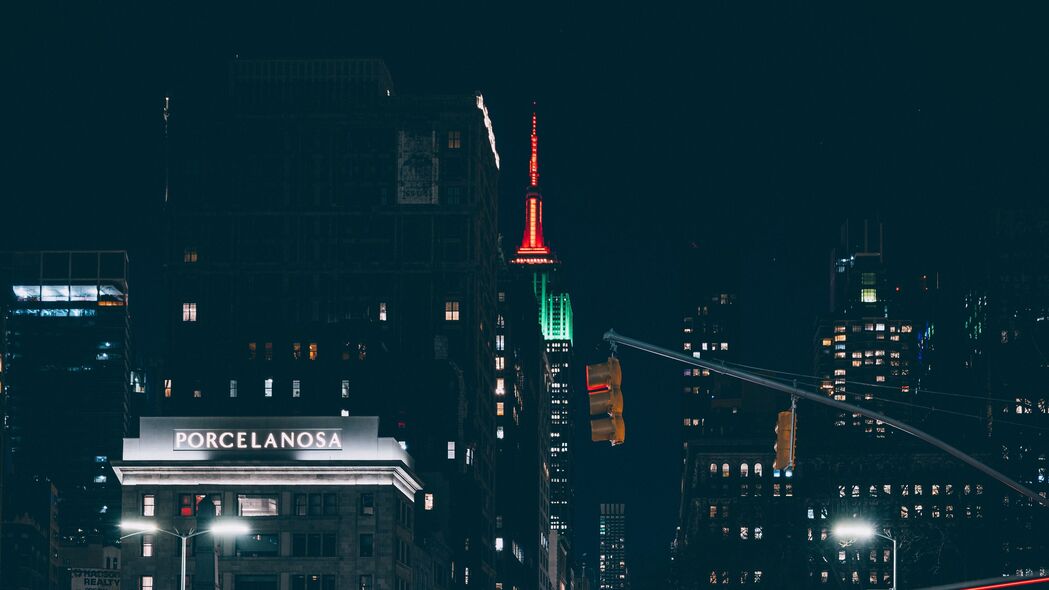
(853, 530)
(218, 527)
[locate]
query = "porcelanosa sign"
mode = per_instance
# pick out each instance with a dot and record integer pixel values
(258, 439)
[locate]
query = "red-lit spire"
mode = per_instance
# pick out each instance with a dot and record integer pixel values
(533, 250)
(533, 164)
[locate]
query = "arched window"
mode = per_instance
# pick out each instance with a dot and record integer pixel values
(713, 468)
(757, 470)
(744, 470)
(724, 470)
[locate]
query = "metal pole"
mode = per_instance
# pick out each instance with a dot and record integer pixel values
(611, 336)
(182, 584)
(893, 539)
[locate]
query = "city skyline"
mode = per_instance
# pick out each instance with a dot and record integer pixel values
(755, 135)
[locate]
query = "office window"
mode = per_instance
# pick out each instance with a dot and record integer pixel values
(233, 388)
(499, 432)
(313, 351)
(167, 388)
(455, 140)
(252, 505)
(189, 312)
(500, 342)
(428, 501)
(499, 408)
(268, 388)
(367, 504)
(258, 545)
(869, 295)
(724, 470)
(149, 505)
(451, 449)
(500, 385)
(367, 545)
(382, 311)
(147, 545)
(296, 388)
(189, 255)
(498, 543)
(145, 583)
(451, 311)
(500, 363)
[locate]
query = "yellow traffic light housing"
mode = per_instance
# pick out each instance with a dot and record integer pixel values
(606, 401)
(785, 438)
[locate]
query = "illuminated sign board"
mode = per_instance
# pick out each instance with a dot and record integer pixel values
(258, 439)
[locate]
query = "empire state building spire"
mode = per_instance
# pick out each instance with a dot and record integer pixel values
(533, 249)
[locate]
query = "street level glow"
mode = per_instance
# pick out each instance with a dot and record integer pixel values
(138, 525)
(853, 530)
(229, 527)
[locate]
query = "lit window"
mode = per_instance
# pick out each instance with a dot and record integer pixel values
(149, 505)
(296, 388)
(344, 413)
(345, 388)
(189, 312)
(428, 501)
(498, 543)
(724, 346)
(744, 470)
(869, 295)
(499, 408)
(500, 363)
(500, 342)
(757, 470)
(189, 255)
(296, 350)
(688, 346)
(451, 449)
(147, 545)
(313, 351)
(233, 388)
(455, 140)
(713, 466)
(500, 386)
(269, 388)
(198, 393)
(382, 311)
(724, 470)
(251, 506)
(145, 583)
(499, 432)
(451, 311)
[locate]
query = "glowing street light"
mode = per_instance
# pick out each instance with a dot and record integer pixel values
(855, 530)
(220, 527)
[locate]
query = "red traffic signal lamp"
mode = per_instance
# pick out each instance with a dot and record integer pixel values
(785, 438)
(603, 382)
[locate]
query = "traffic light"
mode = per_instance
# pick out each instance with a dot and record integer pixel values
(606, 401)
(785, 437)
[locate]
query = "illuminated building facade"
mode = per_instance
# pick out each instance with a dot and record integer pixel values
(332, 250)
(535, 258)
(322, 516)
(710, 330)
(522, 432)
(863, 353)
(611, 536)
(66, 379)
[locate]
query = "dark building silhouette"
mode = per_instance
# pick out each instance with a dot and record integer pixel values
(332, 251)
(522, 432)
(66, 377)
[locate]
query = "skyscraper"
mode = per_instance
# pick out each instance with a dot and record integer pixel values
(66, 378)
(535, 257)
(332, 251)
(612, 570)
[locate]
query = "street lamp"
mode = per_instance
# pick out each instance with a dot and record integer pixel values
(218, 527)
(857, 530)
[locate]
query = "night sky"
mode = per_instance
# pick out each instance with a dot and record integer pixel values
(732, 128)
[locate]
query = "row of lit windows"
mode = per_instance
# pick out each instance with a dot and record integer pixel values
(267, 388)
(708, 346)
(907, 489)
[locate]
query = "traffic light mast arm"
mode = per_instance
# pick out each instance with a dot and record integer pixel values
(612, 336)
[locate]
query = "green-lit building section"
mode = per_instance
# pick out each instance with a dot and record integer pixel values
(555, 309)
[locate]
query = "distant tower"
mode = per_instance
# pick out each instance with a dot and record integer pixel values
(612, 538)
(555, 319)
